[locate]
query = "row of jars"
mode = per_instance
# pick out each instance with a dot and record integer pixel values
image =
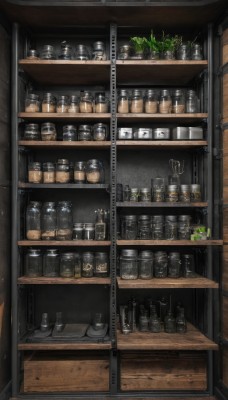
(63, 171)
(52, 264)
(156, 227)
(86, 103)
(145, 264)
(68, 52)
(154, 101)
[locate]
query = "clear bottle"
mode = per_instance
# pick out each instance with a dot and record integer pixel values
(101, 266)
(100, 132)
(73, 104)
(48, 132)
(47, 52)
(33, 220)
(69, 133)
(79, 172)
(136, 106)
(66, 52)
(33, 263)
(154, 322)
(158, 189)
(158, 227)
(172, 193)
(171, 227)
(86, 102)
(35, 174)
(151, 101)
(191, 102)
(82, 52)
(87, 264)
(181, 323)
(195, 193)
(32, 103)
(94, 171)
(48, 221)
(128, 264)
(62, 171)
(144, 227)
(174, 265)
(100, 225)
(129, 227)
(67, 265)
(49, 103)
(77, 266)
(84, 133)
(165, 102)
(98, 52)
(32, 132)
(184, 227)
(170, 323)
(62, 104)
(123, 102)
(101, 103)
(178, 102)
(89, 231)
(64, 221)
(185, 193)
(183, 52)
(145, 264)
(48, 172)
(78, 231)
(160, 264)
(196, 52)
(51, 263)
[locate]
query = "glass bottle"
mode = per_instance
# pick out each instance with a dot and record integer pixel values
(100, 225)
(123, 102)
(171, 227)
(81, 52)
(184, 227)
(62, 171)
(196, 52)
(126, 193)
(32, 103)
(87, 264)
(67, 265)
(185, 193)
(195, 193)
(160, 264)
(145, 264)
(69, 133)
(33, 263)
(94, 171)
(47, 52)
(181, 324)
(101, 267)
(124, 52)
(32, 55)
(101, 103)
(48, 131)
(172, 193)
(45, 325)
(134, 194)
(191, 102)
(78, 231)
(128, 264)
(48, 172)
(145, 195)
(32, 132)
(143, 320)
(77, 266)
(64, 220)
(154, 322)
(79, 172)
(66, 52)
(129, 227)
(178, 102)
(98, 52)
(170, 323)
(51, 263)
(165, 102)
(48, 221)
(144, 227)
(158, 227)
(100, 132)
(188, 267)
(35, 174)
(86, 102)
(33, 221)
(89, 231)
(84, 133)
(158, 189)
(49, 103)
(136, 106)
(183, 52)
(73, 104)
(151, 101)
(62, 104)
(174, 265)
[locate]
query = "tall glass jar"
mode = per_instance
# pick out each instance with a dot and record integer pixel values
(101, 103)
(129, 227)
(79, 172)
(128, 264)
(154, 322)
(32, 103)
(136, 106)
(62, 171)
(178, 102)
(62, 104)
(73, 104)
(101, 266)
(100, 225)
(32, 132)
(183, 52)
(48, 132)
(165, 102)
(181, 323)
(84, 133)
(191, 102)
(48, 221)
(174, 265)
(98, 52)
(184, 227)
(151, 101)
(51, 263)
(77, 265)
(33, 221)
(144, 227)
(185, 193)
(158, 189)
(47, 52)
(195, 194)
(145, 263)
(123, 102)
(160, 264)
(89, 231)
(196, 52)
(158, 227)
(86, 102)
(171, 227)
(49, 103)
(33, 263)
(188, 267)
(134, 194)
(69, 133)
(35, 174)
(87, 264)
(100, 132)
(48, 172)
(94, 171)
(64, 221)
(67, 265)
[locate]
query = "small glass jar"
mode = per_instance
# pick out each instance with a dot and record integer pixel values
(73, 104)
(136, 106)
(100, 225)
(69, 133)
(145, 195)
(77, 266)
(195, 193)
(62, 171)
(78, 231)
(48, 221)
(154, 322)
(124, 52)
(62, 104)
(47, 52)
(48, 132)
(79, 172)
(158, 189)
(32, 55)
(174, 265)
(48, 172)
(89, 231)
(134, 194)
(32, 103)
(33, 263)
(188, 266)
(87, 264)
(183, 52)
(98, 53)
(172, 194)
(94, 171)
(101, 265)
(191, 102)
(178, 102)
(181, 323)
(51, 263)
(185, 193)
(67, 265)
(168, 54)
(123, 102)
(81, 52)
(158, 227)
(100, 132)
(145, 263)
(84, 133)
(184, 227)
(171, 227)
(170, 323)
(86, 102)
(129, 227)
(160, 264)
(101, 103)
(165, 102)
(66, 52)
(33, 220)
(49, 103)
(128, 264)
(144, 227)
(35, 174)
(64, 221)
(32, 132)
(151, 101)
(126, 193)
(196, 52)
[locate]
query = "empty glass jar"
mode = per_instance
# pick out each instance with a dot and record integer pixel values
(174, 265)
(136, 105)
(101, 103)
(48, 131)
(69, 133)
(47, 52)
(87, 264)
(129, 227)
(48, 221)
(31, 132)
(51, 263)
(79, 172)
(35, 174)
(98, 52)
(62, 171)
(145, 264)
(154, 322)
(81, 52)
(196, 52)
(33, 263)
(62, 104)
(123, 102)
(32, 103)
(78, 231)
(158, 227)
(49, 103)
(101, 266)
(188, 266)
(94, 171)
(67, 265)
(84, 133)
(191, 102)
(160, 264)
(144, 227)
(171, 227)
(64, 221)
(32, 55)
(183, 52)
(184, 227)
(33, 220)
(128, 264)
(158, 189)
(86, 102)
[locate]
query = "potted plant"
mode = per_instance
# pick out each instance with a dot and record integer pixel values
(139, 45)
(168, 45)
(153, 47)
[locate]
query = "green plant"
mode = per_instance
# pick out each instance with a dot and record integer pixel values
(169, 43)
(152, 43)
(139, 43)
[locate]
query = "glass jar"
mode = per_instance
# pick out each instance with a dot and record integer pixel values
(136, 106)
(35, 174)
(87, 264)
(184, 227)
(94, 171)
(101, 103)
(185, 193)
(128, 264)
(181, 323)
(168, 55)
(158, 227)
(145, 264)
(195, 193)
(48, 103)
(33, 263)
(100, 225)
(32, 132)
(81, 52)
(129, 227)
(73, 104)
(79, 172)
(170, 323)
(84, 133)
(124, 52)
(151, 101)
(51, 263)
(145, 195)
(158, 189)
(143, 321)
(47, 52)
(48, 172)
(101, 267)
(178, 102)
(188, 266)
(154, 322)
(100, 132)
(196, 52)
(174, 265)
(98, 52)
(123, 102)
(89, 231)
(78, 231)
(172, 194)
(86, 102)
(126, 193)
(62, 104)
(66, 52)
(48, 221)
(33, 220)
(62, 171)
(77, 266)
(160, 264)
(183, 52)
(191, 102)
(144, 227)
(165, 102)
(48, 131)
(32, 55)
(134, 194)
(64, 221)
(32, 103)
(67, 265)
(69, 133)
(171, 227)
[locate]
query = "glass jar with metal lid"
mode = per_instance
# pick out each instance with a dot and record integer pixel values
(86, 102)
(129, 227)
(124, 52)
(66, 52)
(73, 104)
(89, 231)
(48, 131)
(67, 265)
(84, 133)
(160, 264)
(87, 264)
(78, 231)
(196, 51)
(77, 265)
(33, 263)
(129, 264)
(165, 102)
(35, 174)
(98, 52)
(81, 52)
(32, 103)
(184, 227)
(185, 193)
(51, 263)
(145, 263)
(32, 55)
(158, 189)
(145, 195)
(62, 171)
(172, 193)
(48, 172)
(64, 221)
(123, 102)
(101, 264)
(69, 133)
(151, 101)
(32, 132)
(134, 194)
(144, 227)
(79, 172)
(48, 221)
(191, 102)
(171, 227)
(100, 132)
(178, 102)
(174, 265)
(62, 104)
(136, 106)
(195, 194)
(47, 52)
(183, 52)
(33, 220)
(49, 103)
(94, 171)
(101, 103)
(188, 266)
(158, 227)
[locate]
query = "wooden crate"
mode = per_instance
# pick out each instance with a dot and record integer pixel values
(51, 372)
(163, 371)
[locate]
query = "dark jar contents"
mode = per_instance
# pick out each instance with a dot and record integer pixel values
(129, 264)
(62, 171)
(160, 264)
(77, 266)
(101, 267)
(48, 172)
(67, 265)
(174, 265)
(33, 221)
(98, 52)
(158, 189)
(66, 52)
(154, 321)
(69, 133)
(129, 227)
(51, 263)
(181, 324)
(33, 263)
(172, 194)
(87, 264)
(188, 266)
(35, 174)
(48, 221)
(48, 132)
(32, 132)
(145, 264)
(89, 231)
(78, 231)
(170, 323)
(195, 193)
(79, 172)
(144, 227)
(64, 221)
(84, 133)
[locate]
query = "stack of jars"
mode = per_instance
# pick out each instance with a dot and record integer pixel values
(93, 231)
(52, 264)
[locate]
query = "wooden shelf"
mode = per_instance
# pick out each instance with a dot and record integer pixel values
(64, 144)
(193, 339)
(59, 243)
(185, 118)
(39, 116)
(67, 72)
(148, 204)
(169, 242)
(168, 283)
(64, 346)
(158, 72)
(25, 185)
(159, 144)
(42, 280)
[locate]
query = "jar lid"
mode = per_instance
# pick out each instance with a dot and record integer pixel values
(136, 92)
(184, 45)
(144, 217)
(172, 187)
(32, 126)
(32, 96)
(98, 46)
(134, 190)
(67, 255)
(129, 253)
(125, 47)
(80, 164)
(145, 190)
(89, 225)
(146, 254)
(33, 53)
(174, 254)
(35, 203)
(81, 47)
(73, 99)
(85, 94)
(82, 128)
(64, 203)
(52, 252)
(78, 225)
(100, 96)
(87, 254)
(191, 93)
(48, 96)
(69, 127)
(195, 187)
(165, 92)
(65, 45)
(35, 252)
(183, 218)
(185, 188)
(48, 125)
(100, 125)
(196, 45)
(130, 217)
(48, 47)
(94, 161)
(63, 98)
(157, 218)
(49, 204)
(100, 254)
(187, 256)
(171, 218)
(178, 92)
(35, 164)
(158, 254)
(123, 92)
(63, 161)
(150, 92)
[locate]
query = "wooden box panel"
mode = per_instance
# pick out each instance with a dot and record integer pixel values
(225, 366)
(163, 371)
(225, 47)
(225, 317)
(65, 373)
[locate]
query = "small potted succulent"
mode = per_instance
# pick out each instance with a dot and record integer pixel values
(153, 47)
(139, 44)
(168, 46)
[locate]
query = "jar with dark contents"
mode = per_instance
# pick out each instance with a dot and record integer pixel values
(129, 264)
(101, 267)
(62, 104)
(48, 172)
(79, 172)
(67, 265)
(78, 231)
(51, 263)
(184, 227)
(32, 103)
(32, 55)
(134, 194)
(64, 221)
(32, 132)
(84, 133)
(172, 193)
(129, 227)
(48, 132)
(145, 264)
(62, 171)
(100, 132)
(89, 231)
(171, 227)
(77, 266)
(47, 52)
(188, 266)
(87, 264)
(144, 227)
(35, 174)
(33, 220)
(86, 102)
(145, 195)
(160, 264)
(195, 193)
(49, 103)
(73, 104)
(158, 227)
(33, 263)
(69, 133)
(185, 193)
(174, 265)
(48, 221)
